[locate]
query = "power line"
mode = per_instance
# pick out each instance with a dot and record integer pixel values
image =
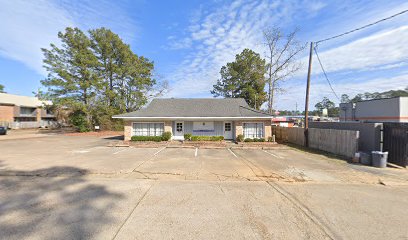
(306, 132)
(365, 26)
(324, 72)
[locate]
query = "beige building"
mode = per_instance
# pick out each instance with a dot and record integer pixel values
(377, 110)
(25, 112)
(228, 117)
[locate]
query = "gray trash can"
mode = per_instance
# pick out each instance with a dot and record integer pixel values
(379, 159)
(365, 158)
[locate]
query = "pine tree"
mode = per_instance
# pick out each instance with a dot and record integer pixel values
(243, 78)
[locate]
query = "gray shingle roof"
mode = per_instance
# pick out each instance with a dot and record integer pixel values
(196, 107)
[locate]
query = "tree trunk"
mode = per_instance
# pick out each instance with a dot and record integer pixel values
(110, 83)
(272, 96)
(270, 87)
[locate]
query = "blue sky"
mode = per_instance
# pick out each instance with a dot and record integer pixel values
(190, 40)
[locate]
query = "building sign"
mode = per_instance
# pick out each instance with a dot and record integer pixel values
(203, 127)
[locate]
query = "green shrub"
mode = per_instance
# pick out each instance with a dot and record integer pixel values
(207, 138)
(166, 136)
(217, 138)
(188, 136)
(259, 140)
(117, 125)
(147, 138)
(240, 138)
(79, 121)
(254, 140)
(270, 139)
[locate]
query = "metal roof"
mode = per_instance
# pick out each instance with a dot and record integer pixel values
(196, 108)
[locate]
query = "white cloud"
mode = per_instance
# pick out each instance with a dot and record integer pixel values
(27, 26)
(377, 49)
(384, 50)
(318, 90)
(178, 44)
(216, 37)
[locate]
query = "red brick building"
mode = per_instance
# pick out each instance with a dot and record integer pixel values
(25, 112)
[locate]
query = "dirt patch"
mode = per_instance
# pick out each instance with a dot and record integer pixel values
(96, 134)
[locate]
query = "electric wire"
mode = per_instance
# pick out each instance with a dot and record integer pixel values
(345, 33)
(324, 72)
(365, 26)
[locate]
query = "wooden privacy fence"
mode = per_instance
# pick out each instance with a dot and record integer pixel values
(340, 142)
(292, 135)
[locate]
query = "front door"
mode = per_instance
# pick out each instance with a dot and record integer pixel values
(228, 130)
(179, 133)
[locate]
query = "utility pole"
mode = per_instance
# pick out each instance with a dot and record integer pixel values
(296, 109)
(307, 97)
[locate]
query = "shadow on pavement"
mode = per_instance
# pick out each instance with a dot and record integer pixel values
(119, 137)
(63, 207)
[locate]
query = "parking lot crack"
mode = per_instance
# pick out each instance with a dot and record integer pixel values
(133, 210)
(305, 210)
(149, 159)
(321, 225)
(158, 173)
(219, 185)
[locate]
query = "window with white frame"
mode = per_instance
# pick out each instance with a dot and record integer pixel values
(253, 130)
(148, 129)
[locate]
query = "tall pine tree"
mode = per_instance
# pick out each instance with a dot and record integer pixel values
(243, 78)
(72, 80)
(97, 76)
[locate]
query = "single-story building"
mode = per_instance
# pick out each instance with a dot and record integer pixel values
(227, 117)
(283, 121)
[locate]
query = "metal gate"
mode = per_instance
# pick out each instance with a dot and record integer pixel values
(395, 140)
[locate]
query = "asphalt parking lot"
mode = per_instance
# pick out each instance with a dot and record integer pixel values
(86, 190)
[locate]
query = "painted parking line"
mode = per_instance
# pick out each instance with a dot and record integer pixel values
(232, 153)
(92, 148)
(149, 159)
(121, 150)
(79, 151)
(272, 154)
(161, 149)
(196, 152)
(85, 150)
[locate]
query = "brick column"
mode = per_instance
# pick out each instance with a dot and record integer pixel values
(268, 129)
(38, 114)
(238, 128)
(128, 130)
(168, 127)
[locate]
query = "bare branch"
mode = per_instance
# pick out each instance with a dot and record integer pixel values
(282, 62)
